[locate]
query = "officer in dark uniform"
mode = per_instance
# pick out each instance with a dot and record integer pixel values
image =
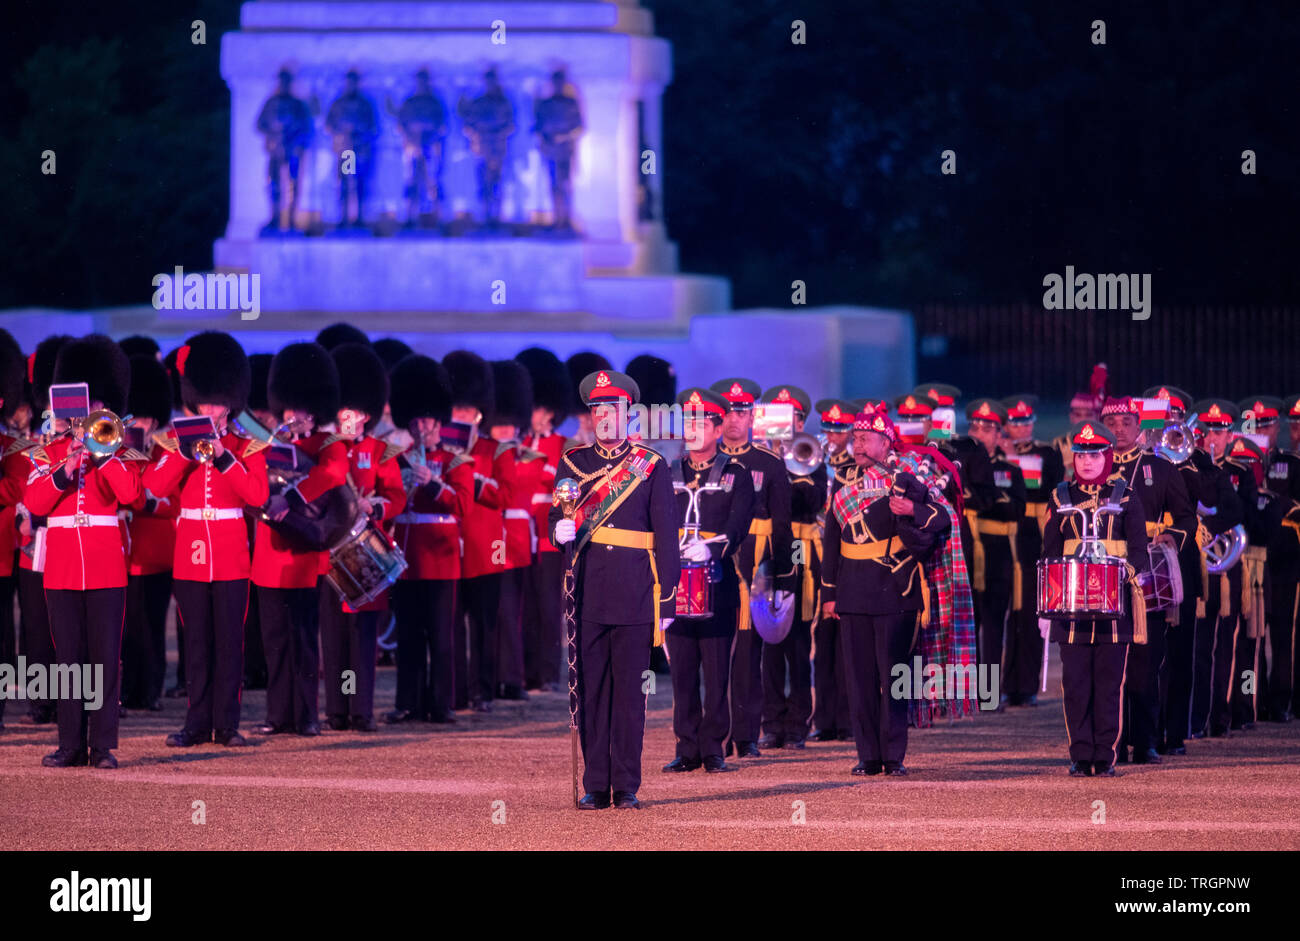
(626, 569)
(879, 532)
(725, 505)
(995, 522)
(1041, 468)
(1170, 518)
(830, 687)
(1095, 652)
(768, 541)
(1234, 494)
(786, 716)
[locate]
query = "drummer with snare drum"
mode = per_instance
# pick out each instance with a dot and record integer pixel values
(1171, 520)
(1094, 550)
(715, 500)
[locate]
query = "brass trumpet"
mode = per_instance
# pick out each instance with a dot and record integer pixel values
(102, 432)
(204, 450)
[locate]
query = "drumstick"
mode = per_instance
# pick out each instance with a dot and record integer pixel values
(1047, 647)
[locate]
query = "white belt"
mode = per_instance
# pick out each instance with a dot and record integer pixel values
(515, 513)
(412, 519)
(80, 520)
(541, 498)
(212, 513)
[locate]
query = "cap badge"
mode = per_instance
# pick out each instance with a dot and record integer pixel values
(602, 379)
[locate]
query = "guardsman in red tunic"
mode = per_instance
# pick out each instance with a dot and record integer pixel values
(348, 637)
(303, 391)
(440, 488)
(151, 540)
(483, 530)
(85, 561)
(543, 581)
(13, 481)
(211, 563)
(513, 408)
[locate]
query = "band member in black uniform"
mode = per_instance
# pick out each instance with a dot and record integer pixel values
(879, 532)
(830, 687)
(786, 716)
(703, 645)
(1170, 518)
(995, 521)
(1041, 468)
(1095, 651)
(1216, 621)
(626, 569)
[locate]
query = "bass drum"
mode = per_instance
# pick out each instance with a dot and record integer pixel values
(1162, 589)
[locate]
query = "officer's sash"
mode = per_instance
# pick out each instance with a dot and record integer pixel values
(610, 492)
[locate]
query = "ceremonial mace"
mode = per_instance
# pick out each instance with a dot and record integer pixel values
(567, 494)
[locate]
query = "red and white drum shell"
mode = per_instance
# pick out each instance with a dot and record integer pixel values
(1075, 588)
(695, 591)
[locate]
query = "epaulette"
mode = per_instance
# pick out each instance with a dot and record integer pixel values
(255, 445)
(571, 444)
(502, 448)
(460, 459)
(392, 451)
(38, 453)
(331, 439)
(167, 441)
(527, 454)
(131, 454)
(20, 444)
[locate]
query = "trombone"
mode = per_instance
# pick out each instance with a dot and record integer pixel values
(102, 433)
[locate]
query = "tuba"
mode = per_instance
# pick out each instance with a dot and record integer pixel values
(1225, 549)
(1176, 442)
(803, 454)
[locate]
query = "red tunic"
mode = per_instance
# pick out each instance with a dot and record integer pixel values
(211, 533)
(483, 526)
(521, 524)
(552, 446)
(428, 530)
(376, 474)
(14, 469)
(151, 526)
(84, 548)
(276, 564)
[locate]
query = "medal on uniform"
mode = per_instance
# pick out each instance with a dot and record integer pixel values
(758, 480)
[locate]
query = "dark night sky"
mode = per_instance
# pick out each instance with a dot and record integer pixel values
(818, 162)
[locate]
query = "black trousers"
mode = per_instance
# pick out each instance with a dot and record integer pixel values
(701, 649)
(254, 655)
(290, 635)
(872, 645)
(746, 686)
(786, 715)
(510, 628)
(543, 619)
(38, 641)
(1092, 687)
(1022, 666)
(348, 643)
(1212, 656)
(478, 601)
(1176, 674)
(831, 701)
(8, 633)
(1246, 656)
(426, 611)
(213, 613)
(612, 703)
(994, 602)
(1142, 688)
(1281, 632)
(87, 628)
(144, 639)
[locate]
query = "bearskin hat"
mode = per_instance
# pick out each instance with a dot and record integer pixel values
(303, 377)
(138, 345)
(336, 334)
(151, 389)
(513, 403)
(392, 351)
(259, 366)
(580, 366)
(656, 378)
(13, 373)
(471, 380)
(421, 388)
(40, 371)
(551, 386)
(100, 363)
(213, 369)
(363, 381)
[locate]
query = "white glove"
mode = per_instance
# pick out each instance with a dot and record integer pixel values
(1044, 627)
(565, 531)
(696, 552)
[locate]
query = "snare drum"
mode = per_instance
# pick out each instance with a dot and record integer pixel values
(365, 565)
(1077, 588)
(695, 590)
(1162, 589)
